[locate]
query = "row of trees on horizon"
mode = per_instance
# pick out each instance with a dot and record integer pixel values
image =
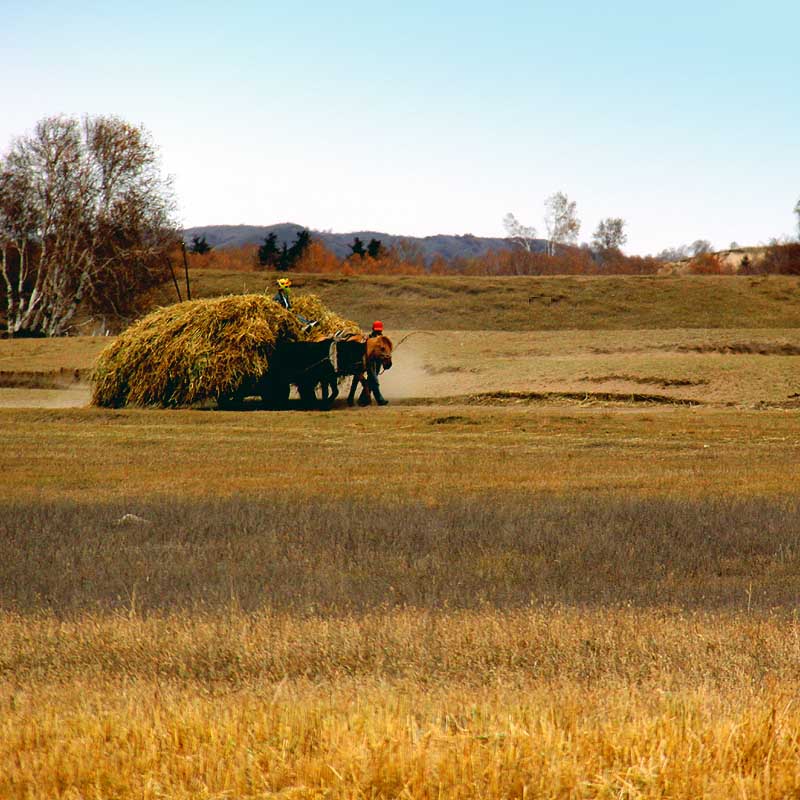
(308, 254)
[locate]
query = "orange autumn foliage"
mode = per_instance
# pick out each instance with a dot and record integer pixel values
(404, 259)
(705, 264)
(317, 258)
(235, 259)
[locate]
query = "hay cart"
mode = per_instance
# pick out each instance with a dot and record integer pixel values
(312, 367)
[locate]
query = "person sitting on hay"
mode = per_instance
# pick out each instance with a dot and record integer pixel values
(282, 298)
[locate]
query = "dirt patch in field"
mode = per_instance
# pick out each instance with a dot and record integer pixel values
(77, 396)
(664, 383)
(744, 348)
(519, 398)
(63, 378)
(724, 348)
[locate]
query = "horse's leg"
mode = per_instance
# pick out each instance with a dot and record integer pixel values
(365, 398)
(351, 397)
(329, 390)
(308, 394)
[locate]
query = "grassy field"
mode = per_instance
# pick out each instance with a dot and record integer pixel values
(535, 303)
(564, 562)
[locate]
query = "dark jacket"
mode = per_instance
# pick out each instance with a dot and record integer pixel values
(283, 299)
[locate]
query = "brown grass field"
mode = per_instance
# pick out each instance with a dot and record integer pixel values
(564, 562)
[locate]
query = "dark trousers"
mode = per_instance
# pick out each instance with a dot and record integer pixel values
(374, 384)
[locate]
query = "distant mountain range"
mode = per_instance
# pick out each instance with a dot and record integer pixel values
(449, 247)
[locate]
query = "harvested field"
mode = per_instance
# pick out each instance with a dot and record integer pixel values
(562, 563)
(253, 649)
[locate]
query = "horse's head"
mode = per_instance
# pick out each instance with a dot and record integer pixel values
(379, 349)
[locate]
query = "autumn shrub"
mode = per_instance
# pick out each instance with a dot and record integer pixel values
(781, 259)
(317, 259)
(566, 261)
(705, 264)
(234, 259)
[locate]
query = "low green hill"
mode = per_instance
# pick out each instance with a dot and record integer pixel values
(535, 303)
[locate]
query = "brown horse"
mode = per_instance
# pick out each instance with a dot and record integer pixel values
(363, 358)
(377, 357)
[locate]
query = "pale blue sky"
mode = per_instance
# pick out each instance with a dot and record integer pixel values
(422, 118)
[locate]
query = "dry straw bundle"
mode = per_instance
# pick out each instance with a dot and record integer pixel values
(201, 349)
(310, 307)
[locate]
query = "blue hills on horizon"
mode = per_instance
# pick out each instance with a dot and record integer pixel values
(447, 246)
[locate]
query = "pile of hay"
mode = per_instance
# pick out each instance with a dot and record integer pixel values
(309, 306)
(202, 349)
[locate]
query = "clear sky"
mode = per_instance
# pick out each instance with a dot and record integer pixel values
(417, 118)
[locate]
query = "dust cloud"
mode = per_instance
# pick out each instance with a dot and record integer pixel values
(407, 377)
(78, 397)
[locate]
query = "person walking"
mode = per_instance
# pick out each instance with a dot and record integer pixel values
(373, 370)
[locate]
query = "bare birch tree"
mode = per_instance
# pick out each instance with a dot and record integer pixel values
(700, 246)
(85, 218)
(522, 235)
(561, 221)
(609, 235)
(797, 212)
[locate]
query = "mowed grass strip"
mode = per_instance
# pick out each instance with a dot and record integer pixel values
(399, 452)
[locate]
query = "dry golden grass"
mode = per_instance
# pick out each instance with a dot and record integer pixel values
(429, 453)
(545, 702)
(318, 555)
(560, 703)
(51, 355)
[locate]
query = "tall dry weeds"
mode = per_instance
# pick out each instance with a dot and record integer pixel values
(340, 556)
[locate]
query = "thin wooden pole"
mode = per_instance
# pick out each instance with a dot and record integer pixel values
(174, 279)
(186, 270)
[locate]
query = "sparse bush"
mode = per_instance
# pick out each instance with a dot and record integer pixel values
(705, 264)
(781, 259)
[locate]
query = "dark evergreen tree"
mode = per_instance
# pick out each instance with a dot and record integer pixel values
(299, 247)
(358, 247)
(268, 253)
(375, 248)
(199, 245)
(745, 267)
(283, 259)
(289, 256)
